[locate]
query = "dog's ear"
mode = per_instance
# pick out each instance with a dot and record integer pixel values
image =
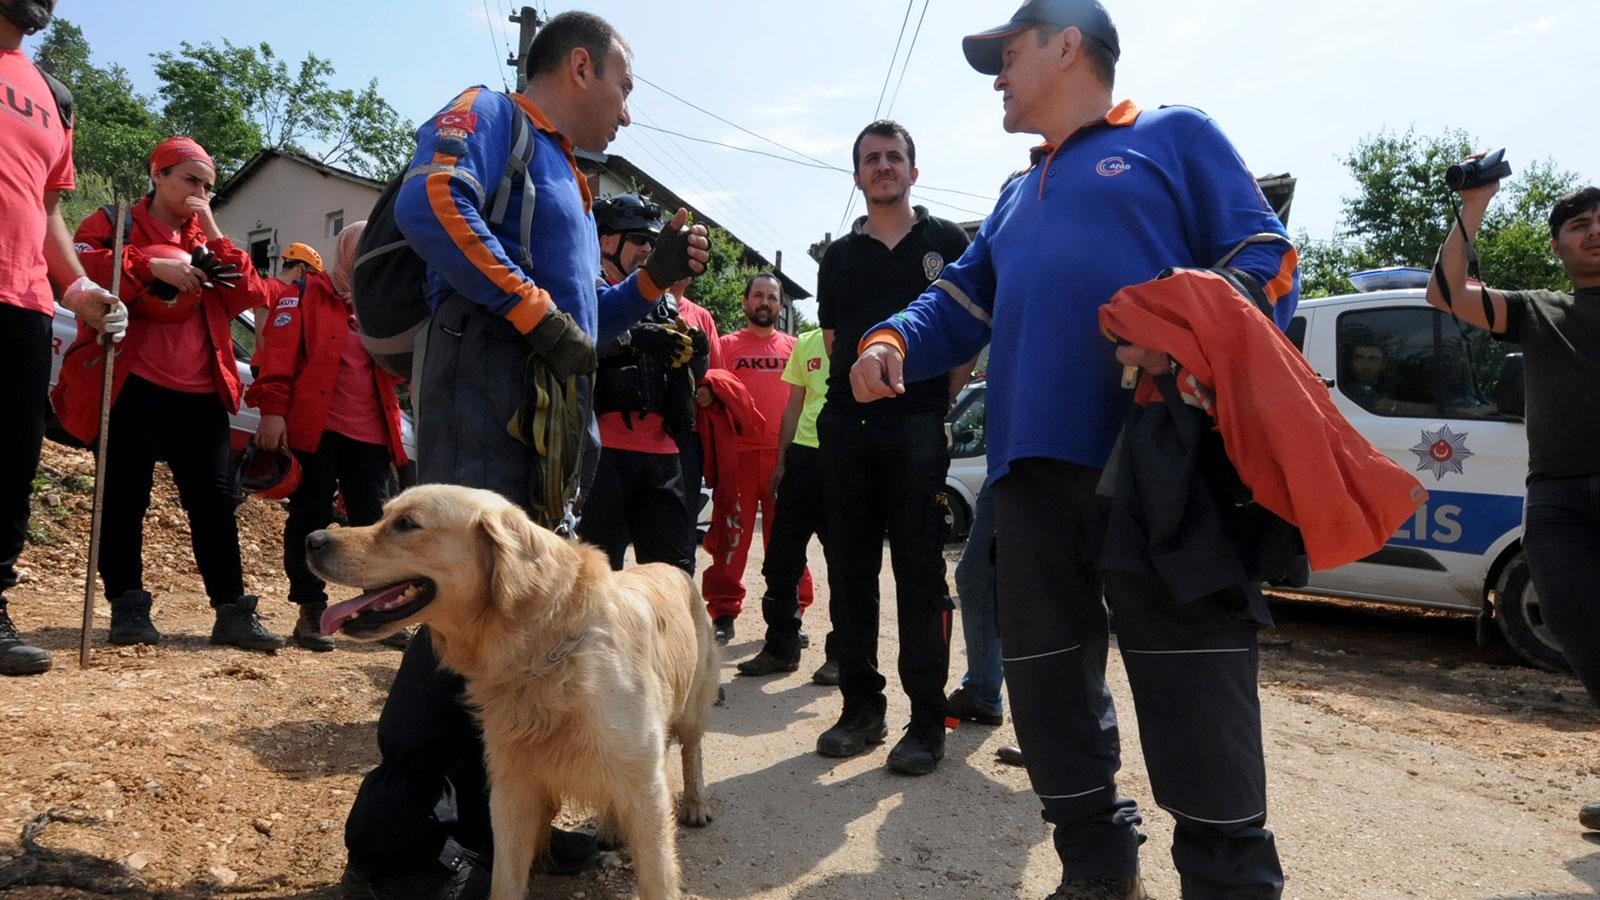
(514, 549)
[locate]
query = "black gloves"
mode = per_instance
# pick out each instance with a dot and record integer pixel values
(669, 261)
(562, 344)
(218, 273)
(667, 344)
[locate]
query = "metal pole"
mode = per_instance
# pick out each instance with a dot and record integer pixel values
(108, 360)
(528, 23)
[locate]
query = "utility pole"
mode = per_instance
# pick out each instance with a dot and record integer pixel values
(528, 23)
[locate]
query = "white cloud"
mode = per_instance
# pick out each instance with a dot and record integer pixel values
(1541, 24)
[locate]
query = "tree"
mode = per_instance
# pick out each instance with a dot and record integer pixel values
(114, 127)
(237, 100)
(1403, 211)
(721, 289)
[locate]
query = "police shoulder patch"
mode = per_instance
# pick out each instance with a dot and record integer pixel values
(282, 319)
(932, 264)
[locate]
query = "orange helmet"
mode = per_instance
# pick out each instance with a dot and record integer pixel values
(161, 302)
(265, 474)
(303, 253)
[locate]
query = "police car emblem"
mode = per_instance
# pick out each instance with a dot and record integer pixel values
(1441, 451)
(932, 264)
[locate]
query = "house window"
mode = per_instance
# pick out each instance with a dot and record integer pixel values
(335, 222)
(261, 252)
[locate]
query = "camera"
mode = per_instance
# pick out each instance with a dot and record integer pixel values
(1478, 172)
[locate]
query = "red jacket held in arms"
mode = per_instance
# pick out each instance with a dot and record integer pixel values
(1292, 448)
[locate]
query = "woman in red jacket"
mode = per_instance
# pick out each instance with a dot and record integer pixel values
(174, 386)
(321, 396)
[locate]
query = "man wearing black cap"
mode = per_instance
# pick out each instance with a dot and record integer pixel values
(1115, 196)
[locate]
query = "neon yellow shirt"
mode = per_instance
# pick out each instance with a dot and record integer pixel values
(808, 368)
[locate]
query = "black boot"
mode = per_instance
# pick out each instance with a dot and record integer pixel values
(237, 626)
(768, 663)
(308, 629)
(130, 620)
(860, 725)
(722, 629)
(18, 657)
(459, 874)
(919, 752)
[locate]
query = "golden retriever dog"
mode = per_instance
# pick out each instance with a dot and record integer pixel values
(580, 675)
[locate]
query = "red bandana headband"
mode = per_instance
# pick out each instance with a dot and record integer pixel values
(178, 149)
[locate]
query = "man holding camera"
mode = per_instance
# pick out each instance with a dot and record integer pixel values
(1560, 338)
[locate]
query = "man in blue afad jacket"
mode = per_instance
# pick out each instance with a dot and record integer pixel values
(420, 823)
(1115, 196)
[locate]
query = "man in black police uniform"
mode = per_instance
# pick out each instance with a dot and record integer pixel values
(645, 398)
(1560, 338)
(883, 464)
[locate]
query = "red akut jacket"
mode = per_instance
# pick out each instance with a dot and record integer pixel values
(1292, 448)
(720, 426)
(298, 359)
(76, 397)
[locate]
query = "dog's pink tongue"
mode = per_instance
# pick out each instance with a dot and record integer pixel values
(336, 615)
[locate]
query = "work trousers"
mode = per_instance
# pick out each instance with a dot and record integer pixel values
(357, 471)
(430, 783)
(1192, 669)
(190, 432)
(796, 516)
(884, 477)
(692, 460)
(975, 587)
(723, 582)
(25, 372)
(1562, 540)
(638, 498)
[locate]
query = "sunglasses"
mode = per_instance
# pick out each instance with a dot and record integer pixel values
(642, 240)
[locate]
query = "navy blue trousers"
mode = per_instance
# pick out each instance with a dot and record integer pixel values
(1192, 669)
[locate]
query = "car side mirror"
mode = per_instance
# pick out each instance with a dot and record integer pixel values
(1510, 398)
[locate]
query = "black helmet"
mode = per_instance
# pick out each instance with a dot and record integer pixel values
(626, 213)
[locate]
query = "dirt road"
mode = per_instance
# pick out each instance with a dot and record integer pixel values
(1403, 760)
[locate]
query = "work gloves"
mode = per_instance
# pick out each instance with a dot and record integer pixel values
(218, 273)
(669, 261)
(667, 343)
(86, 298)
(563, 346)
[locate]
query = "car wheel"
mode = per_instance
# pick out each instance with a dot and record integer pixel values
(957, 518)
(1522, 619)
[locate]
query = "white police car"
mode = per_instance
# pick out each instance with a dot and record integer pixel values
(1444, 400)
(1435, 395)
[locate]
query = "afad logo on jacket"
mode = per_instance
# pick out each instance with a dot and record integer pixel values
(1112, 166)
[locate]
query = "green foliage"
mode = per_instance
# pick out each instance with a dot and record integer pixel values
(1402, 212)
(721, 289)
(94, 191)
(115, 127)
(238, 100)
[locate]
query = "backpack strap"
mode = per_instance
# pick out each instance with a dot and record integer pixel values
(523, 144)
(110, 209)
(62, 95)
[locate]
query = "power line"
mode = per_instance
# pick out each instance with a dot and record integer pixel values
(850, 201)
(488, 22)
(695, 106)
(907, 64)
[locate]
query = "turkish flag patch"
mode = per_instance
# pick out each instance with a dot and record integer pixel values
(465, 121)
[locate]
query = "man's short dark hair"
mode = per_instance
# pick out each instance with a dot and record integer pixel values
(567, 32)
(759, 276)
(1095, 51)
(1571, 206)
(884, 128)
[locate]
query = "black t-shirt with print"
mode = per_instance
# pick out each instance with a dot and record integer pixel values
(1560, 338)
(860, 283)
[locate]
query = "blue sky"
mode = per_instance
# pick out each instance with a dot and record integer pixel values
(1294, 84)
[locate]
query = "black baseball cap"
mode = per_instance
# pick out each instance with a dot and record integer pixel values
(983, 49)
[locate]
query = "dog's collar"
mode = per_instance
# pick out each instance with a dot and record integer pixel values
(557, 654)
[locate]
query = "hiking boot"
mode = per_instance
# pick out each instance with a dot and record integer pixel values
(722, 629)
(767, 663)
(1099, 889)
(18, 657)
(861, 724)
(1589, 816)
(919, 752)
(826, 674)
(570, 852)
(965, 707)
(237, 626)
(1010, 754)
(399, 640)
(308, 629)
(130, 620)
(805, 639)
(459, 874)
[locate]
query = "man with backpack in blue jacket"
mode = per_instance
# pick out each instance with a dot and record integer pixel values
(514, 296)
